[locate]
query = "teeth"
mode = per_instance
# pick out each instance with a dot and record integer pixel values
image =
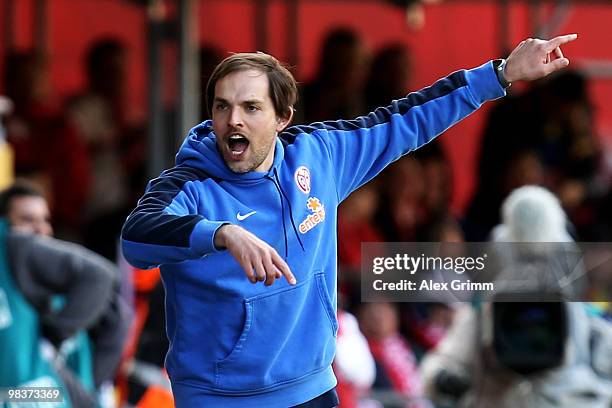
(236, 137)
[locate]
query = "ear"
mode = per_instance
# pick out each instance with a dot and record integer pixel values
(283, 122)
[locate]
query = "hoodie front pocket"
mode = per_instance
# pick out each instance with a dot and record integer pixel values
(287, 334)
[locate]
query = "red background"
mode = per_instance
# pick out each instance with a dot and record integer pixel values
(457, 34)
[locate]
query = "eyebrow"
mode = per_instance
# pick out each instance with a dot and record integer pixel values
(247, 102)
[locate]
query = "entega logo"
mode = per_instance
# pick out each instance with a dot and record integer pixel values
(317, 216)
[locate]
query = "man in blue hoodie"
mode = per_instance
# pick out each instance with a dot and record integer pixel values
(249, 196)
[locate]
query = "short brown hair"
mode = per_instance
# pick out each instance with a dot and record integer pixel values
(282, 85)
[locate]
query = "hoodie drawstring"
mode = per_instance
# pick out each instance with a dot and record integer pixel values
(283, 217)
(282, 195)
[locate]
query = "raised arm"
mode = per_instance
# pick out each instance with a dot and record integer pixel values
(361, 148)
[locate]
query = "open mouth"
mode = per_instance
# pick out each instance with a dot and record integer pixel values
(237, 144)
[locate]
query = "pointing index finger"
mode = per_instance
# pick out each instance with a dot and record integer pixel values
(560, 40)
(284, 268)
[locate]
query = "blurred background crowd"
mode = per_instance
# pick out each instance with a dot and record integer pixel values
(77, 154)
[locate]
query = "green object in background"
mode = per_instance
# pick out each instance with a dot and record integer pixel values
(21, 361)
(76, 351)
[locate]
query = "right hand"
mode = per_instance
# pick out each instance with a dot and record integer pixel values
(535, 58)
(259, 260)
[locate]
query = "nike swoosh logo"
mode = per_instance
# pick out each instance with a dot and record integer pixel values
(245, 216)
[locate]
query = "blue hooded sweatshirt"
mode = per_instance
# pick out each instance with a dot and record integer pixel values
(238, 344)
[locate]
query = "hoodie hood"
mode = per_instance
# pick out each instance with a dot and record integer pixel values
(199, 150)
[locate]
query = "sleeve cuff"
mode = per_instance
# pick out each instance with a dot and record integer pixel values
(483, 83)
(202, 241)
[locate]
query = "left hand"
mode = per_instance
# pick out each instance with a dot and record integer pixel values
(535, 58)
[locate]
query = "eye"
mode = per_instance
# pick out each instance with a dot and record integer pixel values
(220, 106)
(252, 108)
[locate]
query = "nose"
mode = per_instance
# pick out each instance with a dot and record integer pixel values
(235, 118)
(43, 228)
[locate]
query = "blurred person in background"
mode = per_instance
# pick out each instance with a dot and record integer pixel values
(25, 208)
(337, 90)
(396, 364)
(557, 149)
(34, 271)
(147, 383)
(389, 76)
(246, 189)
(402, 193)
(48, 148)
(92, 346)
(355, 225)
(354, 364)
(117, 151)
(415, 206)
(554, 354)
(415, 195)
(424, 324)
(438, 194)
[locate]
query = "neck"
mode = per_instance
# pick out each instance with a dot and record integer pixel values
(266, 165)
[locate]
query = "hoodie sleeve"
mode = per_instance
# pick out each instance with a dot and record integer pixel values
(359, 149)
(165, 226)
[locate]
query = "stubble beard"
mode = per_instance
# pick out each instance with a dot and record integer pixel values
(256, 159)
